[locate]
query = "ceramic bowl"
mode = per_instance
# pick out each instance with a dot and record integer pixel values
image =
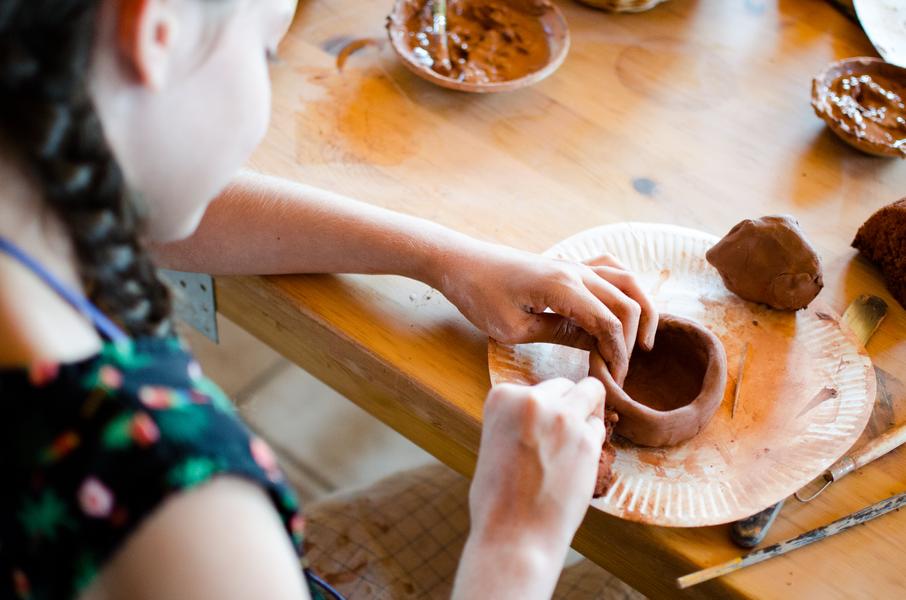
(821, 104)
(557, 35)
(623, 5)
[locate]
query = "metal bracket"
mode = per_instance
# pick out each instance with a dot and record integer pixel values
(193, 299)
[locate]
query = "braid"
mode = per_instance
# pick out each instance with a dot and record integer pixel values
(48, 116)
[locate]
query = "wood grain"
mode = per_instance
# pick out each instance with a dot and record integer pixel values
(694, 113)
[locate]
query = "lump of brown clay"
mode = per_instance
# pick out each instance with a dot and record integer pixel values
(608, 454)
(768, 260)
(882, 239)
(672, 391)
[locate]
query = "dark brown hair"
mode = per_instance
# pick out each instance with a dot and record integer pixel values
(47, 116)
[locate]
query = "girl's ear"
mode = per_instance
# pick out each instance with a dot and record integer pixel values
(146, 36)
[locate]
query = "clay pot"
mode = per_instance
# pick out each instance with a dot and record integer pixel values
(672, 391)
(822, 105)
(557, 36)
(623, 5)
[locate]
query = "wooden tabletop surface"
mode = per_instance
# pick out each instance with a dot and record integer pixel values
(695, 113)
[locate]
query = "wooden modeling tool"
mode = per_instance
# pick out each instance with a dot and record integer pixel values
(439, 14)
(739, 372)
(863, 317)
(888, 441)
(810, 537)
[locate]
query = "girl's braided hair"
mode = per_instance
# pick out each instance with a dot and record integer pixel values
(46, 115)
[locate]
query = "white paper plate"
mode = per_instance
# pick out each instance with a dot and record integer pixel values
(806, 395)
(884, 22)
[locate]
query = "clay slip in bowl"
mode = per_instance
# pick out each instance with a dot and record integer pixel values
(673, 391)
(821, 102)
(557, 38)
(631, 6)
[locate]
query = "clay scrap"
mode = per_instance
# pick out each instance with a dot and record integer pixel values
(608, 454)
(882, 239)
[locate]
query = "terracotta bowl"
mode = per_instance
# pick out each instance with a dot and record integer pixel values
(854, 66)
(672, 391)
(623, 5)
(554, 25)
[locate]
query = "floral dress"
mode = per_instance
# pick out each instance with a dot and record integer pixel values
(88, 450)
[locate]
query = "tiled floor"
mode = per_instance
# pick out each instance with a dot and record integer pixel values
(301, 417)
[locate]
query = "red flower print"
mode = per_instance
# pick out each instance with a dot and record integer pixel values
(95, 499)
(297, 524)
(60, 447)
(110, 377)
(43, 372)
(21, 584)
(155, 397)
(144, 430)
(264, 456)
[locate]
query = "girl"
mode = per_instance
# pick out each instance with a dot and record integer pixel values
(126, 474)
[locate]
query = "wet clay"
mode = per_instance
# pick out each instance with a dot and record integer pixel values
(870, 107)
(671, 392)
(488, 40)
(882, 239)
(768, 260)
(608, 454)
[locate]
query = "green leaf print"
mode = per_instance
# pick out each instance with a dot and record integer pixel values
(218, 398)
(45, 516)
(192, 471)
(86, 569)
(182, 423)
(118, 435)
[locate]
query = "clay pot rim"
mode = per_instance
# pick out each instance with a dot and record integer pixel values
(558, 39)
(710, 386)
(861, 65)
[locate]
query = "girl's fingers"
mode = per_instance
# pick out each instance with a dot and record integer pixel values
(551, 328)
(606, 338)
(606, 260)
(586, 399)
(628, 284)
(597, 368)
(586, 310)
(625, 308)
(556, 388)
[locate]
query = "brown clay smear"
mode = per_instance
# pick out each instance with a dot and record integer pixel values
(489, 40)
(359, 120)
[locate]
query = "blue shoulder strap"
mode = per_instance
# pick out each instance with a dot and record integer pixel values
(104, 325)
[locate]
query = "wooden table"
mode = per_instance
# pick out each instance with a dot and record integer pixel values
(696, 113)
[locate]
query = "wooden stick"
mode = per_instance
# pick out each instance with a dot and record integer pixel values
(742, 368)
(864, 315)
(439, 14)
(857, 518)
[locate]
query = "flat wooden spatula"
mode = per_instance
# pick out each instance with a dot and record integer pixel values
(863, 317)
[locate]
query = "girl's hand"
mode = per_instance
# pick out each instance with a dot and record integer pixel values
(534, 479)
(597, 305)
